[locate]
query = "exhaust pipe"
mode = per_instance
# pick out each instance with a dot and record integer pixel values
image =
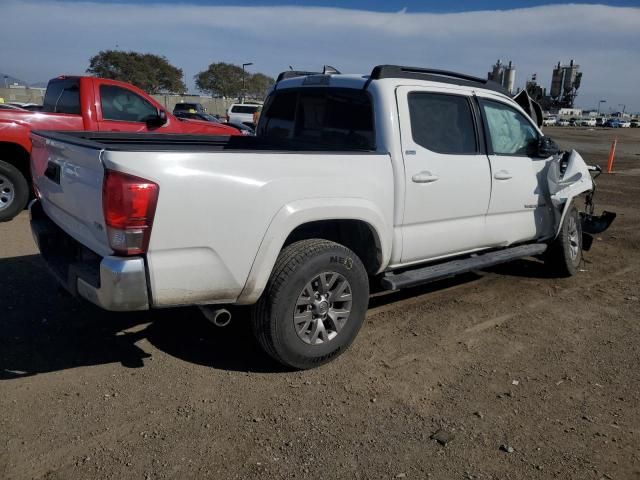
(220, 317)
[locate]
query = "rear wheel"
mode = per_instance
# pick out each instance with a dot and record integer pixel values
(314, 304)
(565, 253)
(14, 191)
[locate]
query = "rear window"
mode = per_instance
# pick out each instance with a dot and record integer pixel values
(333, 118)
(185, 107)
(62, 96)
(244, 108)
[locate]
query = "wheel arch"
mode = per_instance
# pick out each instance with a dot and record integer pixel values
(16, 155)
(353, 222)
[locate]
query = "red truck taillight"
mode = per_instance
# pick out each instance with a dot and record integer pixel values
(129, 205)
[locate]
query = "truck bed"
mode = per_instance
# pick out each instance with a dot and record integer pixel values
(225, 205)
(168, 142)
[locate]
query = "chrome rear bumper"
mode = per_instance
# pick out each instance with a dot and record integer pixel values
(112, 283)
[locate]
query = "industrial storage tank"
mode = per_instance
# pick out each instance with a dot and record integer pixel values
(570, 73)
(509, 79)
(557, 79)
(504, 75)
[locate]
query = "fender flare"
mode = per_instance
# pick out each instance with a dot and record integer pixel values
(299, 212)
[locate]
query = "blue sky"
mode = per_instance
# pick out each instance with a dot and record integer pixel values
(391, 6)
(466, 36)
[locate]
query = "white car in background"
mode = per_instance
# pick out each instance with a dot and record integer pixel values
(563, 122)
(624, 124)
(243, 113)
(549, 121)
(586, 122)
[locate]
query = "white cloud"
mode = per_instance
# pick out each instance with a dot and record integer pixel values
(46, 38)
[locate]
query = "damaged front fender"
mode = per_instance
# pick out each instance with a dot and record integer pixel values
(569, 176)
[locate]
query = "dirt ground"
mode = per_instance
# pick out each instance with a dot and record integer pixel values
(547, 368)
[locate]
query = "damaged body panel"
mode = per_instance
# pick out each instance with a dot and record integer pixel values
(567, 178)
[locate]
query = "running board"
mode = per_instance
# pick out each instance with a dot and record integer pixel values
(432, 273)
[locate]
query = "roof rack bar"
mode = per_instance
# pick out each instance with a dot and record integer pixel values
(295, 73)
(390, 71)
(396, 71)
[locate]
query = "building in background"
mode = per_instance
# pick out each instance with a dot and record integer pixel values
(565, 82)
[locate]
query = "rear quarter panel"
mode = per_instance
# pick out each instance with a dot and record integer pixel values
(215, 210)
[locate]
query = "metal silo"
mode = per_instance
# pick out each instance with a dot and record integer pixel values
(557, 79)
(570, 72)
(509, 78)
(504, 75)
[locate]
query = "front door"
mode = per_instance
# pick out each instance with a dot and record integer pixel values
(518, 210)
(447, 173)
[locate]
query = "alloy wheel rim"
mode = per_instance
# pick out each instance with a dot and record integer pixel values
(323, 308)
(574, 240)
(7, 192)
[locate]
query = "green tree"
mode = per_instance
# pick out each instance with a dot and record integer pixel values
(223, 79)
(257, 85)
(151, 73)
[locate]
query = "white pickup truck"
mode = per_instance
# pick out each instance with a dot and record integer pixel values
(387, 180)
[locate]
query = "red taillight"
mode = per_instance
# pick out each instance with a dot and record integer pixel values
(129, 205)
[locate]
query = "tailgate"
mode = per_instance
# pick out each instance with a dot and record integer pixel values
(69, 178)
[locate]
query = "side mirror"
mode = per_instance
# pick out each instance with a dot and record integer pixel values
(154, 121)
(547, 147)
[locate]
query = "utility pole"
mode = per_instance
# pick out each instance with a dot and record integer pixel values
(600, 103)
(243, 85)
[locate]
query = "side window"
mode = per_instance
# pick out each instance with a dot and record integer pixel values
(442, 123)
(511, 133)
(63, 96)
(121, 104)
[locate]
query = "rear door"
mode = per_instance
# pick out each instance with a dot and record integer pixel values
(447, 173)
(69, 179)
(518, 210)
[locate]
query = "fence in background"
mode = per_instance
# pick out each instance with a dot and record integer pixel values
(215, 106)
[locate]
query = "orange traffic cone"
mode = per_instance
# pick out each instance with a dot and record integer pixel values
(612, 154)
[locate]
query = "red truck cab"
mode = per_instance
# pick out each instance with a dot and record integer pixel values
(81, 103)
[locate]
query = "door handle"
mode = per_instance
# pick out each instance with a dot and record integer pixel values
(424, 177)
(502, 175)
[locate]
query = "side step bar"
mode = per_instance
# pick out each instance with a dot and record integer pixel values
(432, 273)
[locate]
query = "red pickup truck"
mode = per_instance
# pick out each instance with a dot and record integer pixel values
(81, 103)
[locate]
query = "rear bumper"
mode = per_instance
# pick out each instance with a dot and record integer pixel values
(112, 283)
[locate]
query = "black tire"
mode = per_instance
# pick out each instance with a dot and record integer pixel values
(298, 265)
(14, 191)
(565, 253)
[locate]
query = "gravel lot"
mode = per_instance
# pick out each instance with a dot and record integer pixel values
(526, 376)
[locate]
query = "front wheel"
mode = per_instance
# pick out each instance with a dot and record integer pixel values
(14, 191)
(314, 304)
(565, 253)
